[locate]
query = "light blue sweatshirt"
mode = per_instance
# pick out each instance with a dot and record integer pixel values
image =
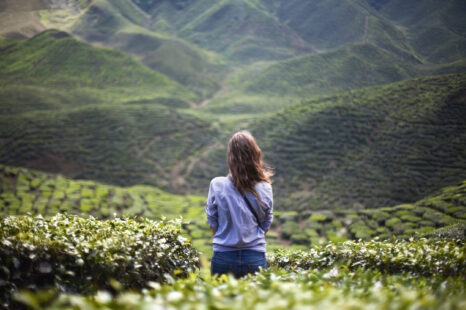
(236, 227)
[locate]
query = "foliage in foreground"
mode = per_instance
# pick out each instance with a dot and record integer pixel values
(420, 274)
(336, 288)
(75, 254)
(26, 191)
(421, 256)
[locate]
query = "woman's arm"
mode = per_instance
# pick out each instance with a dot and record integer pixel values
(268, 208)
(211, 210)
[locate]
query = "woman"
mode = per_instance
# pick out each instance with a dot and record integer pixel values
(239, 209)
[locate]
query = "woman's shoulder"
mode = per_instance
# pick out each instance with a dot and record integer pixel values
(264, 185)
(264, 188)
(219, 180)
(220, 183)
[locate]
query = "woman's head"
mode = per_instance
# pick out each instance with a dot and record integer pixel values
(244, 160)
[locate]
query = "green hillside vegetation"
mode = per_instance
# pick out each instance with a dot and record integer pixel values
(24, 191)
(237, 29)
(84, 255)
(108, 23)
(345, 21)
(369, 148)
(374, 147)
(125, 145)
(55, 59)
(376, 275)
(443, 212)
(346, 68)
(435, 29)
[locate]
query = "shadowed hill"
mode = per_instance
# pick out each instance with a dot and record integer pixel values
(373, 147)
(328, 24)
(118, 144)
(435, 29)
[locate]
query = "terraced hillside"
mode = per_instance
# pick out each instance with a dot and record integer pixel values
(119, 144)
(369, 148)
(24, 191)
(53, 62)
(441, 213)
(435, 29)
(343, 69)
(120, 24)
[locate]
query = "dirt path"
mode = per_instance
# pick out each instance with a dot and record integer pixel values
(222, 91)
(183, 168)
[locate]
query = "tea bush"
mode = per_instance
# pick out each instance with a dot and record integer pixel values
(421, 256)
(328, 288)
(75, 254)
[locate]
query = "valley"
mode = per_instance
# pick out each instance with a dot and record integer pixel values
(115, 116)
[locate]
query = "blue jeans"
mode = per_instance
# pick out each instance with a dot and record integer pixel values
(239, 263)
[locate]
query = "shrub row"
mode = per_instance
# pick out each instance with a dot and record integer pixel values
(420, 256)
(330, 288)
(75, 254)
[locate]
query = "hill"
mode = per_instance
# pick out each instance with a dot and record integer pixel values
(121, 144)
(120, 24)
(368, 148)
(55, 60)
(25, 191)
(348, 67)
(330, 24)
(435, 29)
(239, 30)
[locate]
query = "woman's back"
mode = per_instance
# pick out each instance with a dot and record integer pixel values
(240, 209)
(228, 213)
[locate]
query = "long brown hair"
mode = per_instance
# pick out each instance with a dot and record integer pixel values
(244, 160)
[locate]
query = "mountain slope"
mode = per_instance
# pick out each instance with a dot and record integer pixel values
(21, 19)
(349, 67)
(121, 144)
(373, 147)
(237, 29)
(435, 29)
(55, 59)
(120, 24)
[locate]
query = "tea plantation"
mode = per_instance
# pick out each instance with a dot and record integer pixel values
(24, 191)
(64, 261)
(415, 274)
(445, 208)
